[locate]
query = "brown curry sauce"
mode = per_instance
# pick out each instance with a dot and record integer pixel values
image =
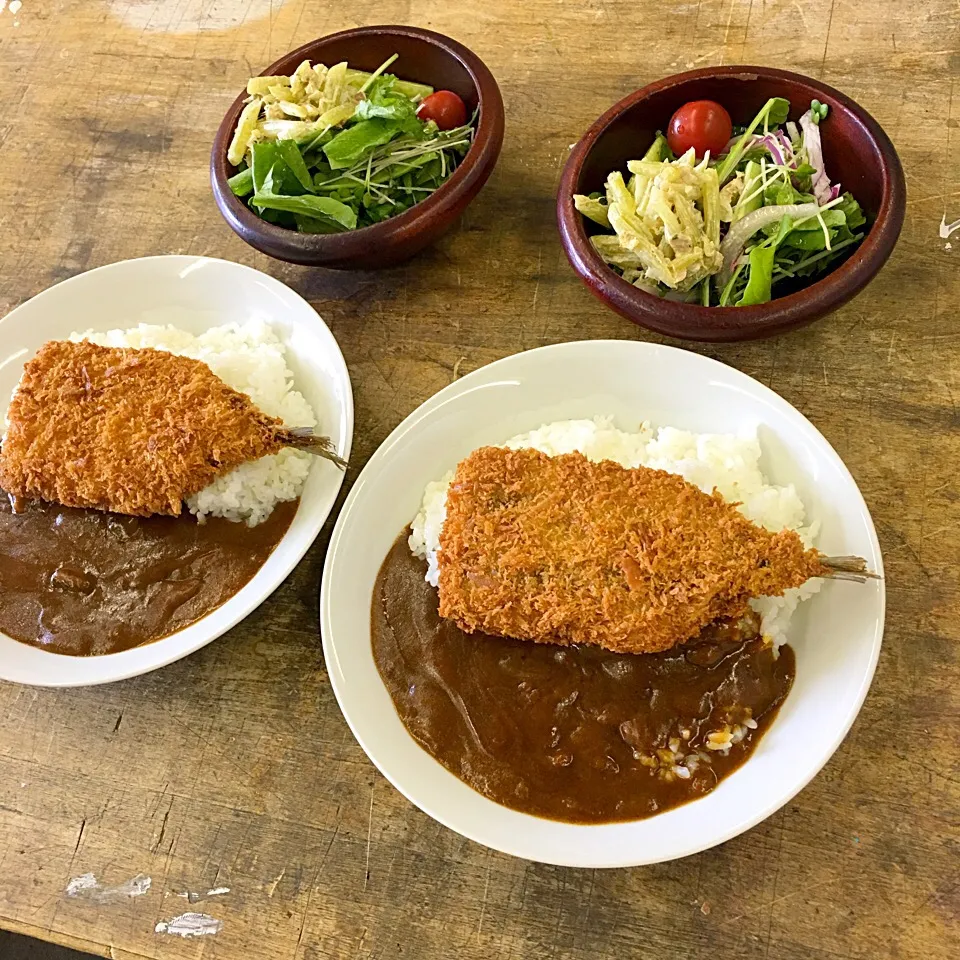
(84, 582)
(576, 734)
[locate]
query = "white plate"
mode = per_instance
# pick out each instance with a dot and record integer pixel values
(836, 638)
(194, 293)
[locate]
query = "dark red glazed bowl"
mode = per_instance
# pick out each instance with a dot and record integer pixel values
(857, 153)
(424, 56)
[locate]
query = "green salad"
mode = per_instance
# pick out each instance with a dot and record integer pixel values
(332, 149)
(726, 217)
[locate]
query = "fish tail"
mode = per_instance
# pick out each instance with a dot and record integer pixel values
(847, 568)
(303, 438)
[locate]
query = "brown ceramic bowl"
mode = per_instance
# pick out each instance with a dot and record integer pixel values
(424, 56)
(857, 153)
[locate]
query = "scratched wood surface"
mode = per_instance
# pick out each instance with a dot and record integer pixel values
(234, 768)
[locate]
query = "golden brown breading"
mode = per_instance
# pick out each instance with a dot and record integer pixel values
(133, 431)
(562, 550)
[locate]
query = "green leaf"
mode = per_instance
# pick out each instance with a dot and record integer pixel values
(833, 217)
(851, 211)
(383, 100)
(727, 294)
(778, 111)
(348, 146)
(264, 155)
(307, 206)
(290, 153)
(761, 277)
(400, 110)
(279, 217)
(315, 142)
(783, 229)
(658, 149)
(779, 193)
(315, 224)
(806, 239)
(774, 112)
(241, 183)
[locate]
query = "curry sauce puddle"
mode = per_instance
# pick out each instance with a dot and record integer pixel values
(576, 734)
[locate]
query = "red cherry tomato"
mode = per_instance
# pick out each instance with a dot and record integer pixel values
(444, 108)
(701, 124)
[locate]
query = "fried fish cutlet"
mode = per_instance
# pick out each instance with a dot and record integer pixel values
(562, 550)
(130, 431)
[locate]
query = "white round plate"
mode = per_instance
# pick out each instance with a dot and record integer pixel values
(836, 635)
(194, 293)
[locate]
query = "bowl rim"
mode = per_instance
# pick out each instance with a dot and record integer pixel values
(694, 321)
(463, 182)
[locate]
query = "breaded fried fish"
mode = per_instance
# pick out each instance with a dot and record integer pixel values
(132, 431)
(562, 550)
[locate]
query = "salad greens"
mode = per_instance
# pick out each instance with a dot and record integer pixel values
(332, 149)
(726, 231)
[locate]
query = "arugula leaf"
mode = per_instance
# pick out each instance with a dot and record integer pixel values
(264, 155)
(269, 163)
(241, 183)
(761, 277)
(806, 239)
(348, 146)
(315, 224)
(307, 206)
(290, 153)
(383, 100)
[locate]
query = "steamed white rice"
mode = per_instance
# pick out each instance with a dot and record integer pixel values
(729, 463)
(250, 358)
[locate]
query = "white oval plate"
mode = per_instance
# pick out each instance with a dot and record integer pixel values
(836, 637)
(194, 293)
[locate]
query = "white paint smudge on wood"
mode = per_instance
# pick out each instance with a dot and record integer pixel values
(192, 897)
(87, 887)
(190, 925)
(946, 229)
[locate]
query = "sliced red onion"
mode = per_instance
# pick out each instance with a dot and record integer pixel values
(789, 156)
(773, 148)
(835, 191)
(811, 143)
(741, 231)
(769, 142)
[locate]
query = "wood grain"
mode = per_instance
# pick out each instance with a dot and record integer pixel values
(234, 767)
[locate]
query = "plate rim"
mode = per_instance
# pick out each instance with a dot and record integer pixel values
(487, 373)
(123, 670)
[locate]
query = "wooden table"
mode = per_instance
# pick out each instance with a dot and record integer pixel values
(234, 768)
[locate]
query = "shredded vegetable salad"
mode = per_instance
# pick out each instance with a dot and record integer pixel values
(332, 149)
(726, 229)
